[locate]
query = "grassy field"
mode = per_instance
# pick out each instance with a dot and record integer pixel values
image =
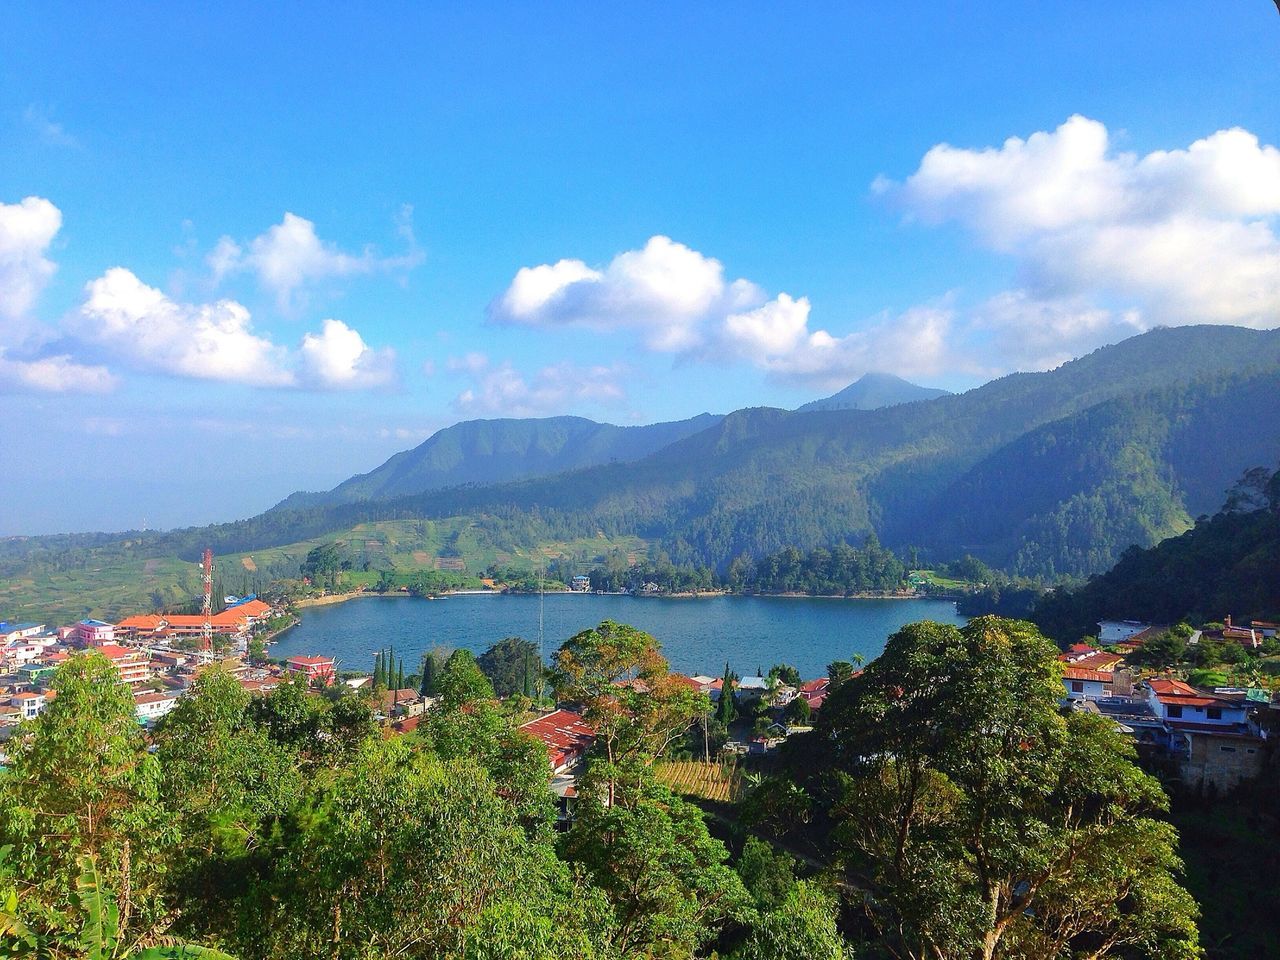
(114, 590)
(706, 781)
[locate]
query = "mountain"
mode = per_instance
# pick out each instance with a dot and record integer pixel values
(1049, 474)
(873, 391)
(1223, 566)
(493, 451)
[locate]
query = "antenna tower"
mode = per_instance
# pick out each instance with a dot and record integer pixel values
(206, 606)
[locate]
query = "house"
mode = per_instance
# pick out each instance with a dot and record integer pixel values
(752, 688)
(815, 692)
(28, 703)
(565, 734)
(134, 665)
(405, 702)
(151, 706)
(1082, 655)
(1115, 631)
(1082, 683)
(10, 632)
(580, 584)
(1181, 705)
(315, 669)
(95, 633)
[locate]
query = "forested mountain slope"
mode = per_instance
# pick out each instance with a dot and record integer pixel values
(1047, 473)
(1227, 565)
(492, 451)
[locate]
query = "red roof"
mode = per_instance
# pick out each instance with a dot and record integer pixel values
(1080, 673)
(1080, 648)
(1093, 660)
(563, 731)
(113, 651)
(1176, 693)
(311, 661)
(815, 686)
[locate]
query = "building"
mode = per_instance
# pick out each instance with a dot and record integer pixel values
(134, 665)
(230, 622)
(150, 707)
(29, 704)
(1179, 703)
(565, 734)
(317, 670)
(9, 632)
(95, 633)
(815, 692)
(1082, 683)
(1117, 631)
(405, 702)
(580, 584)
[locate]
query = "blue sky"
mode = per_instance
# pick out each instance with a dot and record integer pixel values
(245, 251)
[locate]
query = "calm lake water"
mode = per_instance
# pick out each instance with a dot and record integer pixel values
(697, 635)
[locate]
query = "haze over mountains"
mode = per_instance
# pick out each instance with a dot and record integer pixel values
(1040, 473)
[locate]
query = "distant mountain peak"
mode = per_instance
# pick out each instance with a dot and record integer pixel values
(872, 391)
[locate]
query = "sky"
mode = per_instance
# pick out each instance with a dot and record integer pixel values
(249, 249)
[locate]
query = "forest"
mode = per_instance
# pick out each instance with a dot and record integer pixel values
(285, 825)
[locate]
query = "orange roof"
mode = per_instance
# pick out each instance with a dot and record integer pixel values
(141, 621)
(561, 730)
(252, 608)
(311, 661)
(1173, 688)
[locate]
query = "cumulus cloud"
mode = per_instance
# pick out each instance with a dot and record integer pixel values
(290, 257)
(148, 330)
(338, 357)
(141, 325)
(666, 292)
(26, 231)
(1175, 236)
(501, 390)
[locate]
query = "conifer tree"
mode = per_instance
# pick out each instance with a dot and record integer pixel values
(379, 672)
(427, 688)
(400, 674)
(725, 711)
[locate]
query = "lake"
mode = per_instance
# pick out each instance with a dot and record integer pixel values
(697, 635)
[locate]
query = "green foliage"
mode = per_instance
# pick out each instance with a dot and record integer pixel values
(803, 925)
(512, 666)
(988, 823)
(1224, 564)
(768, 875)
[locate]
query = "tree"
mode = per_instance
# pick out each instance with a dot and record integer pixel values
(804, 925)
(620, 678)
(725, 711)
(510, 664)
(663, 873)
(838, 671)
(432, 663)
(798, 712)
(461, 682)
(785, 673)
(989, 824)
(379, 672)
(1161, 651)
(82, 785)
(768, 875)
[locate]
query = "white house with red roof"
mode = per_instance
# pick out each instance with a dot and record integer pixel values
(1181, 705)
(315, 669)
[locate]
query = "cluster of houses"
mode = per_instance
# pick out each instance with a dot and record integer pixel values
(1214, 737)
(148, 652)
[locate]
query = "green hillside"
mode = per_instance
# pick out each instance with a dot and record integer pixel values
(1045, 474)
(872, 391)
(493, 451)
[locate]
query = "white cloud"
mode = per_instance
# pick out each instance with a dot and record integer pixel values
(666, 292)
(1176, 236)
(212, 341)
(290, 256)
(55, 374)
(26, 231)
(338, 357)
(503, 391)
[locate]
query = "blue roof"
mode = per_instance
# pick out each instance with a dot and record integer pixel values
(10, 627)
(97, 623)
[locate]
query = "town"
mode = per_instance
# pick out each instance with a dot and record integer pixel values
(1207, 737)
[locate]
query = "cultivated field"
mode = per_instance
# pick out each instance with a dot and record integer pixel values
(706, 781)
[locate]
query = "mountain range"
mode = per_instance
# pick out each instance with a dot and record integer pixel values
(1045, 474)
